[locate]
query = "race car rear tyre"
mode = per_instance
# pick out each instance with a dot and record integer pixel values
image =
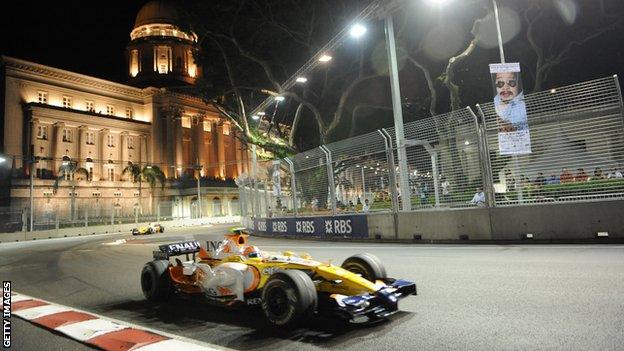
(288, 298)
(150, 230)
(162, 229)
(367, 265)
(156, 282)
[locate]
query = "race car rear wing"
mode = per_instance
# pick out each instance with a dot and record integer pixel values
(177, 249)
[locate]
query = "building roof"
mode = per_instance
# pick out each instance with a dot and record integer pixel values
(157, 11)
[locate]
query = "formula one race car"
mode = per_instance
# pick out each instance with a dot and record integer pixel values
(148, 229)
(288, 287)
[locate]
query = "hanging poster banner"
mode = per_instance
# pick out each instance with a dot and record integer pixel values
(511, 116)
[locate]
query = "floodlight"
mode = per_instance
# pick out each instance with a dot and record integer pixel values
(357, 30)
(325, 58)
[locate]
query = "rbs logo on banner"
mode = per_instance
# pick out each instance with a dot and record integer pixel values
(306, 227)
(261, 226)
(338, 226)
(280, 227)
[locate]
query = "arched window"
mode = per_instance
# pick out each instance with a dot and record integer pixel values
(135, 60)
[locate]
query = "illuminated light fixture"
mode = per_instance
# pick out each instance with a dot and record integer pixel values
(148, 167)
(357, 30)
(357, 166)
(301, 80)
(279, 98)
(65, 163)
(325, 58)
(437, 2)
(261, 113)
(602, 235)
(466, 143)
(552, 91)
(255, 117)
(2, 159)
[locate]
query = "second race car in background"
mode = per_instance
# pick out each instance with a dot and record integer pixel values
(148, 229)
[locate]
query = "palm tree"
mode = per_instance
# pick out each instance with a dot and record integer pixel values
(151, 174)
(70, 167)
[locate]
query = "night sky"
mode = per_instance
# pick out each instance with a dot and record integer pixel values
(87, 37)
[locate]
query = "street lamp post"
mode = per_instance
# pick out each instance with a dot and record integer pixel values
(397, 111)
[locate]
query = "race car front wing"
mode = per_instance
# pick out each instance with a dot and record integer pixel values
(382, 303)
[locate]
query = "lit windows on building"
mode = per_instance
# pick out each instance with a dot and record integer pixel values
(190, 64)
(89, 106)
(129, 113)
(185, 121)
(134, 63)
(226, 129)
(90, 138)
(67, 102)
(110, 110)
(207, 126)
(42, 97)
(162, 59)
(110, 140)
(110, 173)
(42, 132)
(67, 135)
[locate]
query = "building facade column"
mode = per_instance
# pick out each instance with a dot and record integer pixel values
(123, 149)
(220, 151)
(57, 147)
(179, 154)
(239, 155)
(103, 142)
(80, 148)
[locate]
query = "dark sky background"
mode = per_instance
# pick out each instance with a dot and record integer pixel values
(87, 37)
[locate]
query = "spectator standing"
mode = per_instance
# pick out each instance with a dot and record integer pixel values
(581, 176)
(566, 176)
(366, 207)
(446, 191)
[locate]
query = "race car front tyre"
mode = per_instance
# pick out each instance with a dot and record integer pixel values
(156, 282)
(367, 265)
(288, 298)
(150, 230)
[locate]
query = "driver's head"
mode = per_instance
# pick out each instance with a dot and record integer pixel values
(251, 251)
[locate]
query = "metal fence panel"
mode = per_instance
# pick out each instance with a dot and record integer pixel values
(577, 146)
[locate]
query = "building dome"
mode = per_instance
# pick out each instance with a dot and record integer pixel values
(157, 11)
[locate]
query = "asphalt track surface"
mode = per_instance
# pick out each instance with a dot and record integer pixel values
(471, 297)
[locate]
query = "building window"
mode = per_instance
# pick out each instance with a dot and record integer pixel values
(134, 63)
(67, 101)
(90, 137)
(130, 143)
(207, 126)
(67, 135)
(42, 97)
(111, 140)
(185, 121)
(162, 59)
(110, 110)
(89, 106)
(190, 64)
(226, 129)
(42, 132)
(110, 171)
(129, 112)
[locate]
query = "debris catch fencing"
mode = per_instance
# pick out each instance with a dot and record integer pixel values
(576, 153)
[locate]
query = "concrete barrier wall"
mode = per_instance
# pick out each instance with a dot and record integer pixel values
(546, 222)
(116, 228)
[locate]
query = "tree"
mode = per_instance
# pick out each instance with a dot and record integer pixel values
(69, 170)
(151, 174)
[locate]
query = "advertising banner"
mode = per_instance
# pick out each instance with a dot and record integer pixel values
(350, 226)
(514, 137)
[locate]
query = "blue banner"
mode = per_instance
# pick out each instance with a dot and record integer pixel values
(350, 226)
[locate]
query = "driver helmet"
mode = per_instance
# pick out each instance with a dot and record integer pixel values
(252, 251)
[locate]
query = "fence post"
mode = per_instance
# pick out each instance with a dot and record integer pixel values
(484, 156)
(293, 185)
(392, 179)
(330, 178)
